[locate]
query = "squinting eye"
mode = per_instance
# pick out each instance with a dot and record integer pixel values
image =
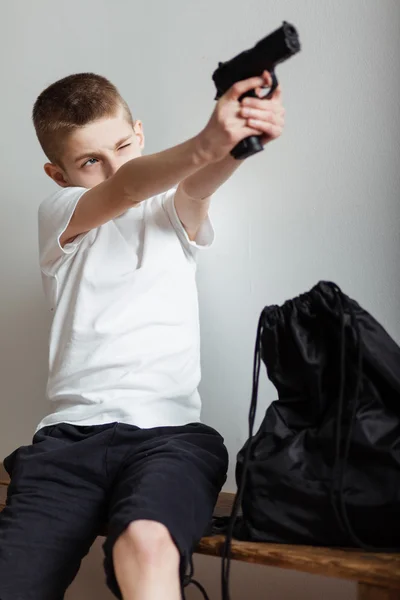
(89, 162)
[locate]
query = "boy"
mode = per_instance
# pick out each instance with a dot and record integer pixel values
(123, 444)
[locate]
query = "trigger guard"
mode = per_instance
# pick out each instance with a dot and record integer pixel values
(270, 91)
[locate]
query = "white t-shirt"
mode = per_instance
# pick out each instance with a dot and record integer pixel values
(124, 341)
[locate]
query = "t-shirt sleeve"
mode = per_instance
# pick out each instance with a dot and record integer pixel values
(205, 236)
(54, 216)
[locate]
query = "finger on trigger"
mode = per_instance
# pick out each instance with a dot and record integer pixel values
(268, 78)
(240, 87)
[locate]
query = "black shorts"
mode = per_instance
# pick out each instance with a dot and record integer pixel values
(73, 480)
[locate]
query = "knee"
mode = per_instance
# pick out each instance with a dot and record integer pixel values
(149, 543)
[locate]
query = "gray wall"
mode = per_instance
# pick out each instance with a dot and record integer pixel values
(321, 203)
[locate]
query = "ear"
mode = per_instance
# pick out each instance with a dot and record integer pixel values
(138, 129)
(56, 174)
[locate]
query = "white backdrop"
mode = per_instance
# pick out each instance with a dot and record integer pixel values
(320, 203)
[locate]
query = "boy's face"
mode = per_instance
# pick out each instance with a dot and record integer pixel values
(95, 152)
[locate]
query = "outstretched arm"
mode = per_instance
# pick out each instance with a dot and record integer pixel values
(192, 198)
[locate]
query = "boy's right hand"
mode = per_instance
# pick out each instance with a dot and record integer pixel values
(227, 125)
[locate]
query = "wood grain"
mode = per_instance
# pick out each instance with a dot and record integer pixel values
(3, 473)
(3, 493)
(378, 569)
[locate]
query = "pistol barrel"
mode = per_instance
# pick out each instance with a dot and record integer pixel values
(275, 48)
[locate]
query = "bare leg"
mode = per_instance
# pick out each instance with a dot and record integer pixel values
(146, 563)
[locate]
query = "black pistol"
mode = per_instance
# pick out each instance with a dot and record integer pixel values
(277, 47)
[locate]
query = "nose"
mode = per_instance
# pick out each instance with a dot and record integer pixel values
(112, 167)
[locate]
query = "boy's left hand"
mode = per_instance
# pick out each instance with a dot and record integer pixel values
(267, 116)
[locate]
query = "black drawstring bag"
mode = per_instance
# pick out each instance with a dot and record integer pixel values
(324, 467)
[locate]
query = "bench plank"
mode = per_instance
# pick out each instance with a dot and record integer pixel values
(377, 569)
(3, 493)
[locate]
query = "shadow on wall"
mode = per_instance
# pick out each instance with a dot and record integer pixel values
(24, 327)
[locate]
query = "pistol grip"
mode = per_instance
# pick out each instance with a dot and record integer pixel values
(252, 144)
(247, 147)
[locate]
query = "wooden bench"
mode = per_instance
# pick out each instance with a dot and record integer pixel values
(378, 575)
